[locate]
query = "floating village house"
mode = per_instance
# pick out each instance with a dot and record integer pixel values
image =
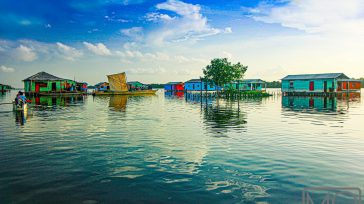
(4, 88)
(43, 82)
(247, 85)
(136, 85)
(319, 83)
(174, 86)
(81, 86)
(102, 86)
(198, 85)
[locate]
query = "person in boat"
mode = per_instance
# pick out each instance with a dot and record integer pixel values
(21, 99)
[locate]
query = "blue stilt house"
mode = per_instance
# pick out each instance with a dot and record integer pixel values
(198, 85)
(174, 86)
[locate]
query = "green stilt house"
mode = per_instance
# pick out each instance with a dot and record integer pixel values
(43, 83)
(4, 88)
(247, 85)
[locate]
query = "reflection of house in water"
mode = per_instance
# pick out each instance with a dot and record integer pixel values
(317, 103)
(196, 98)
(172, 94)
(223, 118)
(118, 102)
(353, 96)
(57, 101)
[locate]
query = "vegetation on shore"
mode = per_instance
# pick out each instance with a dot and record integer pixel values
(274, 84)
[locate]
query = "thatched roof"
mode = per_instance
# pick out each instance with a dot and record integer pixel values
(43, 76)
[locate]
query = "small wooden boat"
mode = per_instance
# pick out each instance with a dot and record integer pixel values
(127, 93)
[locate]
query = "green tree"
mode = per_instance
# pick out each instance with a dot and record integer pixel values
(220, 71)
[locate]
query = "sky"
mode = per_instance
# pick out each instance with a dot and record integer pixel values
(157, 41)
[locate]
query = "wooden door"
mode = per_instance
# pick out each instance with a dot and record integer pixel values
(54, 86)
(312, 86)
(325, 86)
(37, 87)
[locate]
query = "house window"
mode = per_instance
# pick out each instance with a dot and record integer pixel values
(290, 84)
(193, 86)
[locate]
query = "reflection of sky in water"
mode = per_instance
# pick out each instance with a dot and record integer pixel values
(172, 149)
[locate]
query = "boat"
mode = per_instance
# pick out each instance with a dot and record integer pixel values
(119, 86)
(127, 93)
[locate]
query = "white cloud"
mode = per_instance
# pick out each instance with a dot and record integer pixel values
(6, 69)
(135, 32)
(314, 16)
(188, 23)
(67, 52)
(98, 49)
(25, 53)
(156, 17)
(228, 30)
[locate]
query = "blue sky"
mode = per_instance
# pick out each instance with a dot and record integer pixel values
(172, 40)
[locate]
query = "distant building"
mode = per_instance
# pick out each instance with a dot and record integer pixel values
(198, 85)
(43, 82)
(81, 86)
(135, 84)
(174, 86)
(4, 88)
(319, 83)
(102, 86)
(246, 85)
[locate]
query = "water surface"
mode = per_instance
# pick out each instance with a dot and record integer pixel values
(174, 149)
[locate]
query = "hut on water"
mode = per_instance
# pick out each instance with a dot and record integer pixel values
(199, 85)
(319, 83)
(247, 85)
(102, 86)
(174, 86)
(136, 85)
(4, 88)
(43, 82)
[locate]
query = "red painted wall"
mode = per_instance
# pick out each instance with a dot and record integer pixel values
(178, 87)
(353, 85)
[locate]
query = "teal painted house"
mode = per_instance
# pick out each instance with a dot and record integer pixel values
(317, 83)
(198, 85)
(247, 85)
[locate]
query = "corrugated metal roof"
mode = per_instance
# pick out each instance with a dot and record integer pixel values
(134, 82)
(98, 84)
(252, 81)
(351, 80)
(193, 80)
(174, 83)
(316, 76)
(43, 76)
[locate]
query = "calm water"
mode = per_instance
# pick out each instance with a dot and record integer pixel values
(172, 149)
